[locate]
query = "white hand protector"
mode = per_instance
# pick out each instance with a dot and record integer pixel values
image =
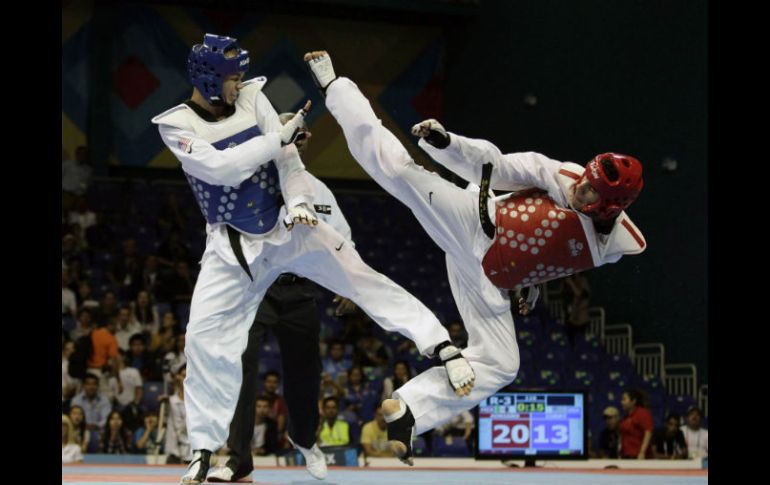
(459, 370)
(292, 129)
(530, 295)
(300, 214)
(321, 69)
(433, 132)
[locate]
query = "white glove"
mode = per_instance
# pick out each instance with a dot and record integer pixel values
(292, 129)
(301, 214)
(534, 293)
(459, 370)
(433, 132)
(320, 64)
(527, 304)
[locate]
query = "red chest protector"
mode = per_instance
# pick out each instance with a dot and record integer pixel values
(536, 241)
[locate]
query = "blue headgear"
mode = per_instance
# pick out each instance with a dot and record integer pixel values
(207, 65)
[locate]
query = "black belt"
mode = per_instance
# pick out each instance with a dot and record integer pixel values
(235, 243)
(486, 222)
(289, 279)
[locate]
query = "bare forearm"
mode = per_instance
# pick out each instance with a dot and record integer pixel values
(645, 443)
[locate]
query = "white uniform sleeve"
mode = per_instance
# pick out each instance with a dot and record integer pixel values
(227, 167)
(295, 184)
(512, 171)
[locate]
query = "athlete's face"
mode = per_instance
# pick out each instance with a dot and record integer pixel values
(583, 194)
(231, 88)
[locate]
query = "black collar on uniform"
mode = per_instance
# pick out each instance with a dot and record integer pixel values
(205, 114)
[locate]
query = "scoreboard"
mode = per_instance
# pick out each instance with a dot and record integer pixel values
(532, 424)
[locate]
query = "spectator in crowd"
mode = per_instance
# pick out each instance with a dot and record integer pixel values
(176, 286)
(333, 431)
(279, 410)
(84, 297)
(103, 360)
(84, 325)
(81, 429)
(150, 276)
(329, 388)
(177, 442)
(609, 439)
(75, 271)
(131, 383)
(142, 359)
(108, 307)
(636, 427)
(370, 352)
(116, 439)
(173, 250)
(173, 359)
(144, 313)
(336, 364)
(70, 450)
(668, 440)
(696, 437)
(126, 271)
(76, 174)
(72, 253)
(357, 395)
(374, 436)
(577, 299)
(170, 216)
(265, 439)
(133, 412)
(69, 304)
(168, 329)
(82, 217)
(96, 407)
(401, 374)
(100, 236)
(461, 425)
(68, 384)
(126, 328)
(145, 440)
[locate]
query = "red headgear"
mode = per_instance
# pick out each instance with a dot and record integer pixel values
(617, 194)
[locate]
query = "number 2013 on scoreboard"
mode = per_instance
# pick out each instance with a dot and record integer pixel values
(511, 433)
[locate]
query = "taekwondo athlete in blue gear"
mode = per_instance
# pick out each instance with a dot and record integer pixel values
(229, 140)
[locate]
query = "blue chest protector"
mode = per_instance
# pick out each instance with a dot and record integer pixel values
(251, 206)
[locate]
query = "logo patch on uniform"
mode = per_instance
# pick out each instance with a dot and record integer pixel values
(575, 247)
(185, 144)
(323, 209)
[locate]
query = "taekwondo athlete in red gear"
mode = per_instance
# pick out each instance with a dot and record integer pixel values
(569, 218)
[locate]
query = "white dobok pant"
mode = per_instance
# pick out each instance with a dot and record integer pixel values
(450, 216)
(225, 302)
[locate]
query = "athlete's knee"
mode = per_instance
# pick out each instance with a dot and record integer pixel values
(508, 364)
